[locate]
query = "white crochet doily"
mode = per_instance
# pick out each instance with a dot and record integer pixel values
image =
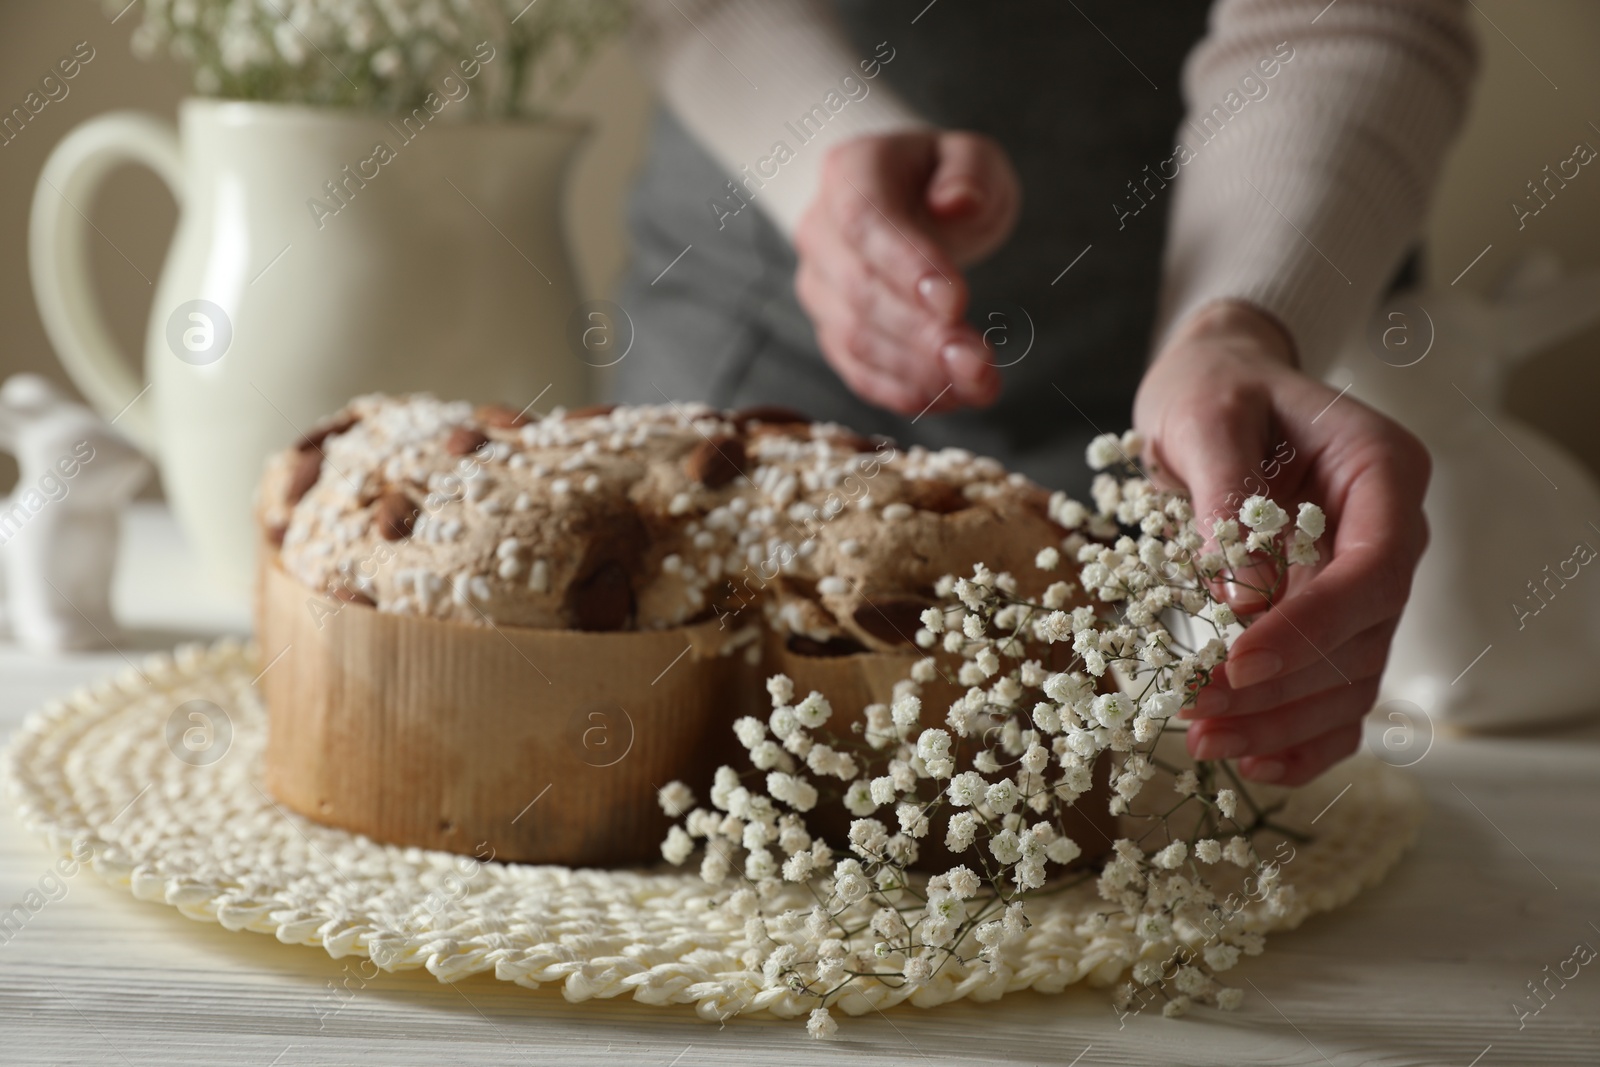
(97, 772)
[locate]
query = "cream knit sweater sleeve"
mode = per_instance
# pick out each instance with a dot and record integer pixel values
(1305, 200)
(743, 75)
(1300, 202)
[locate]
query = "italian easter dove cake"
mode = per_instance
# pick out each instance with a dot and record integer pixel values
(492, 630)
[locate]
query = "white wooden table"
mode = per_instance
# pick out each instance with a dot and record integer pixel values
(1423, 970)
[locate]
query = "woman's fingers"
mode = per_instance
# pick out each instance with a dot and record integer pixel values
(851, 285)
(1303, 762)
(1380, 536)
(1211, 444)
(879, 288)
(1358, 659)
(880, 250)
(1233, 737)
(889, 338)
(974, 196)
(868, 382)
(872, 190)
(964, 177)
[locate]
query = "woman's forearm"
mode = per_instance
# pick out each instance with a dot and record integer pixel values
(1300, 192)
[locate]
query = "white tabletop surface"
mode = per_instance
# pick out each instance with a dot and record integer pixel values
(1425, 969)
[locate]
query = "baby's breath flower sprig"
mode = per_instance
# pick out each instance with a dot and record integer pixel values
(386, 56)
(1088, 674)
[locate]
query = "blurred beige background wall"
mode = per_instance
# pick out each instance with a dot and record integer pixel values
(1538, 95)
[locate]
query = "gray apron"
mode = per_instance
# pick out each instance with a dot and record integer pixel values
(1080, 121)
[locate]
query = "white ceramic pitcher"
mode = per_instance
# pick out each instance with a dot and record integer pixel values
(309, 265)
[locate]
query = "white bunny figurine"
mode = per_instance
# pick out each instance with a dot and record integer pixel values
(60, 526)
(1503, 627)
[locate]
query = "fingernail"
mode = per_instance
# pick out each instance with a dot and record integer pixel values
(1220, 744)
(1243, 597)
(962, 195)
(928, 287)
(1264, 770)
(1253, 668)
(1210, 701)
(975, 379)
(962, 362)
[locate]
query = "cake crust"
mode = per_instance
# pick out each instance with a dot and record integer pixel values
(640, 518)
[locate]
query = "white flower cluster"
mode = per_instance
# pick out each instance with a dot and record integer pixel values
(383, 55)
(985, 788)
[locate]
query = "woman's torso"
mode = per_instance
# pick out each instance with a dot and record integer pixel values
(1084, 98)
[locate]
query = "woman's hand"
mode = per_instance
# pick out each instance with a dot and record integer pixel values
(881, 246)
(1223, 405)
